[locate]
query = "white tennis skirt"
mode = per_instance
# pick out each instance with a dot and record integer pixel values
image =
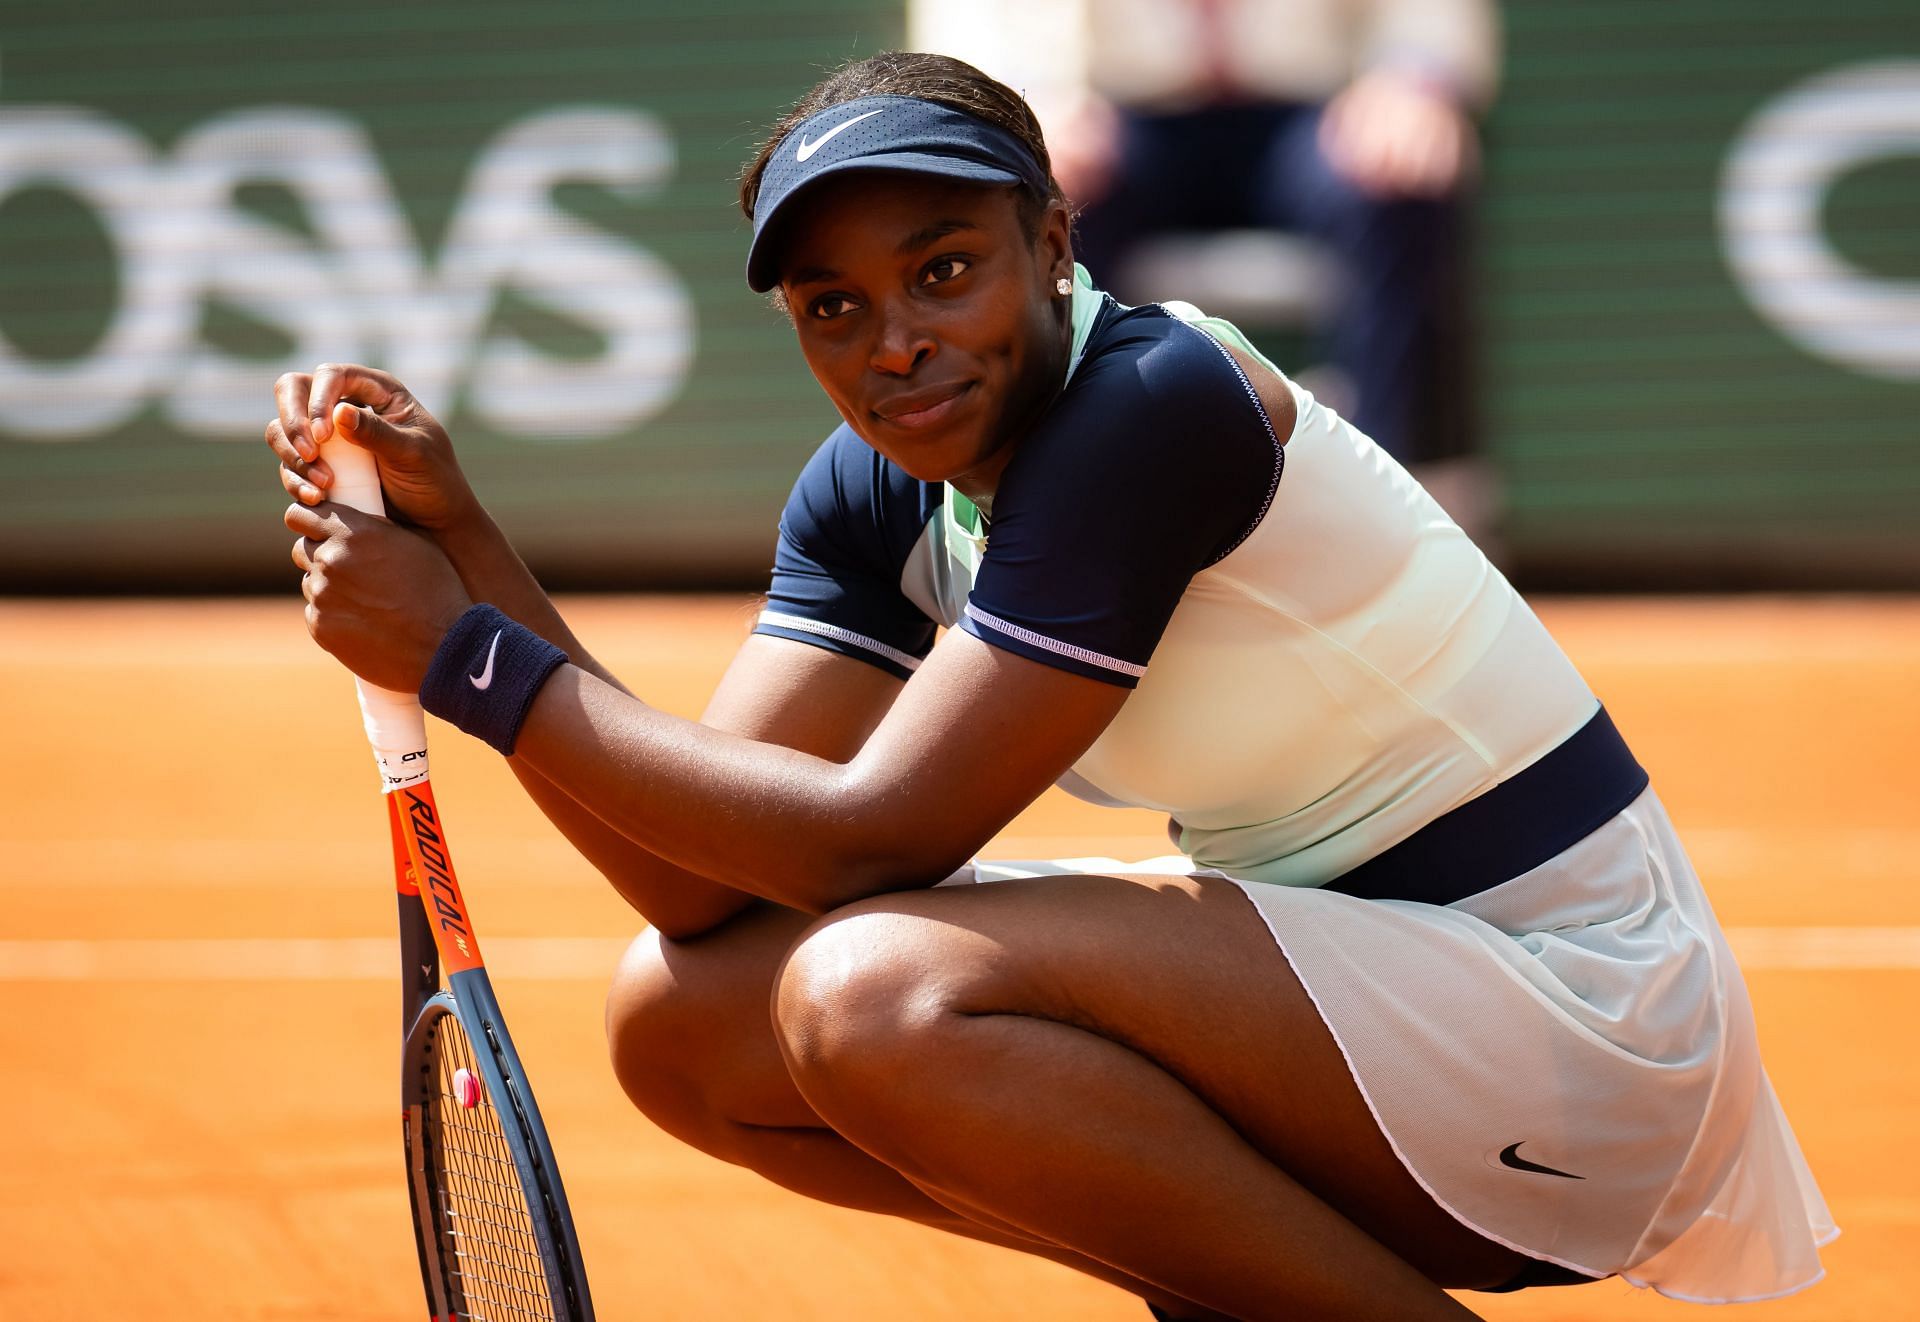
(1566, 1062)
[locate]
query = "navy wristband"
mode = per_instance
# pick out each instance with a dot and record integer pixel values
(485, 675)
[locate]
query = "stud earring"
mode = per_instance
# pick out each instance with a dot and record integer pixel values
(1063, 286)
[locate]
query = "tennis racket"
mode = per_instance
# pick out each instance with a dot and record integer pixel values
(490, 1217)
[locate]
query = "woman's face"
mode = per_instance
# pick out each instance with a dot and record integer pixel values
(930, 318)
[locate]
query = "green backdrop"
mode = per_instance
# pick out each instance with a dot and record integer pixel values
(1700, 262)
(526, 210)
(1652, 421)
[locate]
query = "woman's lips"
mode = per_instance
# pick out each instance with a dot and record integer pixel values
(924, 408)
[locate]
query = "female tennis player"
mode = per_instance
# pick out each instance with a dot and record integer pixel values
(1430, 996)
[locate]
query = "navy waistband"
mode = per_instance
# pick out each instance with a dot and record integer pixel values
(1514, 827)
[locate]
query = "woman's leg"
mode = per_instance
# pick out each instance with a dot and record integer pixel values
(691, 1034)
(1129, 1069)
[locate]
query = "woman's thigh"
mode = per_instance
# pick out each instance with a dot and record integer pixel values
(1182, 971)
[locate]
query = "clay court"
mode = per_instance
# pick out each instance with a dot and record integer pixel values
(198, 986)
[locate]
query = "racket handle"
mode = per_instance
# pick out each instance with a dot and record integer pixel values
(356, 475)
(396, 727)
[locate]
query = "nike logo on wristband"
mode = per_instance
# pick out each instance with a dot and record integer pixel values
(485, 677)
(806, 149)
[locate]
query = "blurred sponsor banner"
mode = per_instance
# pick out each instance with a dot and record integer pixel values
(1702, 251)
(526, 212)
(1701, 260)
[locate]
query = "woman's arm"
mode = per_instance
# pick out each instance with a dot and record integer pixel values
(776, 692)
(970, 740)
(492, 571)
(975, 737)
(818, 703)
(677, 902)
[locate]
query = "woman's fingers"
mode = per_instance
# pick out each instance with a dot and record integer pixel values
(303, 480)
(319, 524)
(290, 394)
(334, 382)
(421, 479)
(309, 552)
(307, 493)
(304, 551)
(306, 401)
(365, 427)
(284, 449)
(313, 572)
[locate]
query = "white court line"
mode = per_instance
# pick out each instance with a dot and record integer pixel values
(1826, 947)
(144, 860)
(559, 959)
(299, 959)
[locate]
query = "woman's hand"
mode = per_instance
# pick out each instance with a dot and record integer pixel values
(379, 597)
(418, 472)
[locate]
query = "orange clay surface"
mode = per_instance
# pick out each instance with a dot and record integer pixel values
(209, 1128)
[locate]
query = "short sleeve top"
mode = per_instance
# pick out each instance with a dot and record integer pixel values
(1319, 665)
(1155, 461)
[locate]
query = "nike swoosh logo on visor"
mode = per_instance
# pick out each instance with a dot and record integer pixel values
(806, 149)
(485, 677)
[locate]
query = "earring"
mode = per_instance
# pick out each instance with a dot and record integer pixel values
(1063, 286)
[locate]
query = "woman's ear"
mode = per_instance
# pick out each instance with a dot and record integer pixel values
(1055, 242)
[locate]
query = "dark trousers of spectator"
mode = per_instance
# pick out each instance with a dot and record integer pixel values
(1400, 331)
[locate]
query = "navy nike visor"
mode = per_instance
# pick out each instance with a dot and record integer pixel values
(880, 133)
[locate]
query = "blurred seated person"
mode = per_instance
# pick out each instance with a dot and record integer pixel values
(1350, 121)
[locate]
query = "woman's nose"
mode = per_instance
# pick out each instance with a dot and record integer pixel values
(900, 345)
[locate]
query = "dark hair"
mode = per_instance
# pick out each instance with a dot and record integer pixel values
(937, 78)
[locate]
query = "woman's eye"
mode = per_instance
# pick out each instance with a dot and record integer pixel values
(942, 269)
(828, 306)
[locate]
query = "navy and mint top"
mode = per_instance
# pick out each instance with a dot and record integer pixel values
(1321, 663)
(1155, 462)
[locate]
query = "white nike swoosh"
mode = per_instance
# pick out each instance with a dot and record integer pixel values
(485, 677)
(806, 149)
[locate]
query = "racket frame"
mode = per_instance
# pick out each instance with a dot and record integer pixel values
(435, 930)
(436, 934)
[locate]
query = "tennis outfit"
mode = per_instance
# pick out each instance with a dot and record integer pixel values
(1344, 709)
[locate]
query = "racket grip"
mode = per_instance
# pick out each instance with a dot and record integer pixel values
(395, 725)
(356, 475)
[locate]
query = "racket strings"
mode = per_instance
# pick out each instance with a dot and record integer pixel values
(493, 1258)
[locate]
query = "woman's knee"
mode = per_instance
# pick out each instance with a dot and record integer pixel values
(863, 994)
(652, 1019)
(689, 1032)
